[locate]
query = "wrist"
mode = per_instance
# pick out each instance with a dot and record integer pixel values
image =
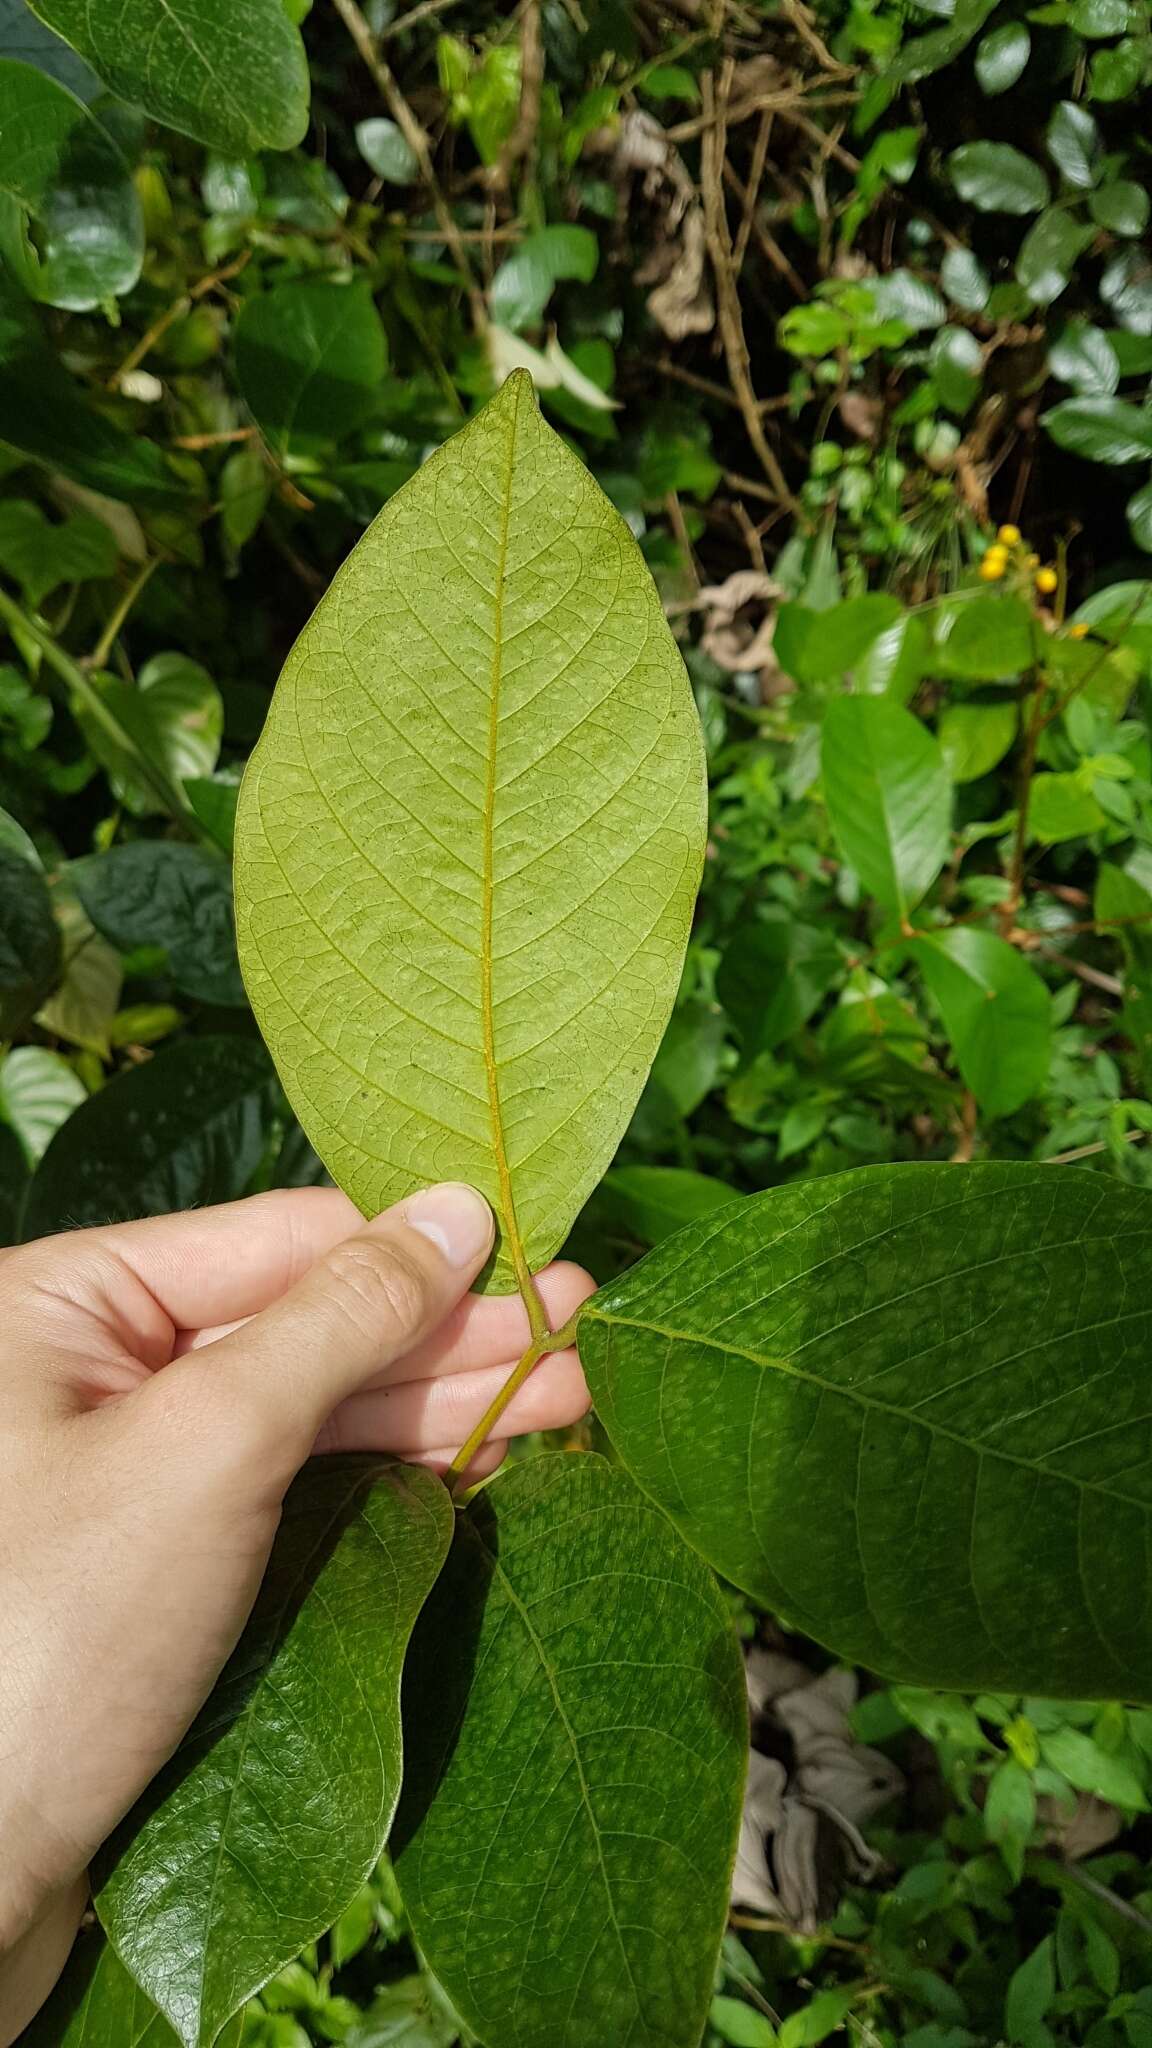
(33, 1953)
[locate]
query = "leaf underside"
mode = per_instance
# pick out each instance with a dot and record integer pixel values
(469, 841)
(576, 1740)
(278, 1803)
(908, 1408)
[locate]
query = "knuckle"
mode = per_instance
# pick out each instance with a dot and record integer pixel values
(382, 1286)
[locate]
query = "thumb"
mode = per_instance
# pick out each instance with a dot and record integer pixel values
(357, 1311)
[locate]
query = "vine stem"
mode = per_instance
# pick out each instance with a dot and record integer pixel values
(548, 1340)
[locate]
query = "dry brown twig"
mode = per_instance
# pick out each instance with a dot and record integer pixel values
(523, 139)
(366, 45)
(729, 315)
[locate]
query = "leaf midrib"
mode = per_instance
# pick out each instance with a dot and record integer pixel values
(789, 1370)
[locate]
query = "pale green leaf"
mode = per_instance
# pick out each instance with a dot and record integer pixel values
(1074, 144)
(174, 713)
(995, 1010)
(382, 145)
(277, 1804)
(81, 1009)
(1083, 357)
(186, 1129)
(469, 840)
(61, 173)
(888, 795)
(1062, 807)
(38, 1092)
(906, 1409)
(964, 279)
(233, 77)
(995, 178)
(574, 1765)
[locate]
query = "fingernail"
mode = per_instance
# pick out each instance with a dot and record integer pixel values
(455, 1219)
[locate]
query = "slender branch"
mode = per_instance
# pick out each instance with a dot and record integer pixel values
(369, 51)
(549, 1340)
(415, 14)
(108, 638)
(81, 685)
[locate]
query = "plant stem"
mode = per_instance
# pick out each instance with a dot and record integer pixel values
(549, 1340)
(81, 685)
(108, 638)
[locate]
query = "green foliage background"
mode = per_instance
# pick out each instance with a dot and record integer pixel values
(824, 295)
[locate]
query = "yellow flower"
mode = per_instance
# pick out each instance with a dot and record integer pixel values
(1032, 561)
(1077, 632)
(993, 566)
(1047, 581)
(1010, 536)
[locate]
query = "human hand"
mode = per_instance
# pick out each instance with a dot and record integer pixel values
(160, 1385)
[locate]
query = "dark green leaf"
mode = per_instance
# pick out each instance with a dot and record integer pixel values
(96, 2004)
(525, 281)
(922, 55)
(1074, 144)
(841, 636)
(1090, 1768)
(650, 1202)
(957, 366)
(61, 171)
(574, 1766)
(888, 795)
(1001, 57)
(995, 178)
(277, 1804)
(310, 357)
(185, 1129)
(1103, 429)
(1083, 357)
(233, 78)
(1048, 255)
(1116, 73)
(14, 1180)
(1031, 1990)
(996, 1012)
(1010, 1813)
(906, 1409)
(213, 799)
(29, 943)
(158, 893)
(1139, 513)
(41, 553)
(1122, 207)
(772, 977)
(1099, 17)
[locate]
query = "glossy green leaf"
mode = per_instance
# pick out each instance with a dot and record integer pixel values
(185, 1129)
(1083, 357)
(1138, 512)
(965, 279)
(1048, 254)
(838, 638)
(974, 737)
(1117, 72)
(383, 147)
(63, 177)
(1099, 17)
(38, 1092)
(1103, 429)
(957, 367)
(888, 796)
(1121, 207)
(527, 278)
(174, 713)
(996, 1011)
(866, 1421)
(310, 357)
(995, 178)
(1074, 144)
(1001, 57)
(650, 1202)
(96, 2004)
(985, 637)
(41, 553)
(232, 77)
(574, 1767)
(896, 661)
(277, 1804)
(29, 942)
(774, 975)
(158, 893)
(469, 840)
(45, 414)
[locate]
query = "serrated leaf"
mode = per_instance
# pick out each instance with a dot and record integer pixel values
(469, 840)
(310, 358)
(187, 1128)
(29, 942)
(996, 1011)
(995, 178)
(888, 795)
(61, 173)
(277, 1804)
(39, 1092)
(235, 79)
(574, 1767)
(906, 1409)
(158, 893)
